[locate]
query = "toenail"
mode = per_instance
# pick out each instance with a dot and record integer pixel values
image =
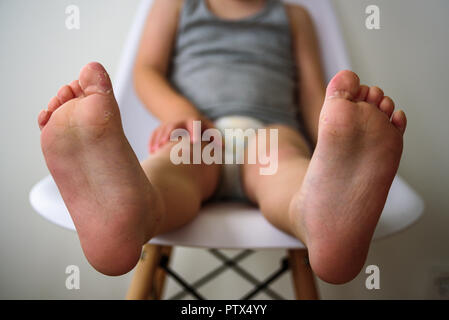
(95, 66)
(341, 94)
(102, 85)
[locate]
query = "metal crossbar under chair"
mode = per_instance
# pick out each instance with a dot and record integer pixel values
(149, 276)
(224, 225)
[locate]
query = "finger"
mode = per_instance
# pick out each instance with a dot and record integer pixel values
(155, 139)
(189, 128)
(151, 141)
(160, 137)
(165, 135)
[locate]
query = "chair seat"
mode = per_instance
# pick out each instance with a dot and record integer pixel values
(235, 225)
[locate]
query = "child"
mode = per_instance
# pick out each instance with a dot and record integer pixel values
(202, 60)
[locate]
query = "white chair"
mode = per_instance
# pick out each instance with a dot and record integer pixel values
(224, 225)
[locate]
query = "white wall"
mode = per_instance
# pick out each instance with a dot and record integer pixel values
(407, 57)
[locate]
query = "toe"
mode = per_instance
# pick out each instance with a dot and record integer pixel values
(387, 106)
(54, 104)
(76, 88)
(43, 118)
(399, 120)
(94, 79)
(375, 96)
(65, 94)
(346, 85)
(363, 93)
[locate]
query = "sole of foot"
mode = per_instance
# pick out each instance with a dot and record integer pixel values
(345, 188)
(113, 206)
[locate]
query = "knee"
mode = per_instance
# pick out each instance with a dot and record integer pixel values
(202, 178)
(291, 143)
(284, 142)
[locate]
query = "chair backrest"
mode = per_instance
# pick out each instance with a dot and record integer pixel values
(137, 121)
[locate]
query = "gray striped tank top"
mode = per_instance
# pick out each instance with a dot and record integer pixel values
(236, 67)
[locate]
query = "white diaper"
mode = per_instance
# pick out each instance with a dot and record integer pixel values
(231, 187)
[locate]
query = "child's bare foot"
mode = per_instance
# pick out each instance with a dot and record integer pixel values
(347, 182)
(112, 204)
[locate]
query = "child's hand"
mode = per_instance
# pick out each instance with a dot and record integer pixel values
(161, 135)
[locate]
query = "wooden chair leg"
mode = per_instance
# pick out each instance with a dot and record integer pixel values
(302, 275)
(161, 274)
(144, 279)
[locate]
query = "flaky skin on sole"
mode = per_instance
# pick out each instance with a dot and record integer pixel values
(111, 202)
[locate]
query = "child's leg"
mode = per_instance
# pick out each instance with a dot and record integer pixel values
(182, 187)
(273, 193)
(333, 202)
(114, 206)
